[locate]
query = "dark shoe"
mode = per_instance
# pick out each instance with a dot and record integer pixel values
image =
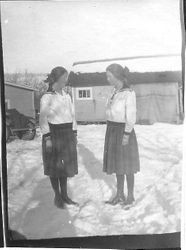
(58, 202)
(68, 201)
(118, 199)
(130, 200)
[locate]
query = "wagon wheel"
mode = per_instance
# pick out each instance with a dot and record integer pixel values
(19, 135)
(7, 132)
(30, 133)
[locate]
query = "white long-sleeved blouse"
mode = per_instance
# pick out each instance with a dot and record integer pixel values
(56, 108)
(121, 107)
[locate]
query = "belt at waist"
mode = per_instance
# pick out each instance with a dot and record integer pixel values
(60, 126)
(117, 124)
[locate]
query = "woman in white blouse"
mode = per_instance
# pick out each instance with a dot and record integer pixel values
(59, 129)
(121, 154)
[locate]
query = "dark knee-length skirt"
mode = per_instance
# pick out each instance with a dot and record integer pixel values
(120, 159)
(62, 159)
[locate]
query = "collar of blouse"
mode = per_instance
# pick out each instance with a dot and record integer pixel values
(62, 92)
(122, 90)
(116, 91)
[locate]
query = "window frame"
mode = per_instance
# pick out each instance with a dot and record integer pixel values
(83, 98)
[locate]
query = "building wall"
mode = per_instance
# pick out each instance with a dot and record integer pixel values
(93, 109)
(156, 102)
(20, 99)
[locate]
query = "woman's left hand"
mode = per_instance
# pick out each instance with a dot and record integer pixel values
(125, 140)
(75, 136)
(76, 140)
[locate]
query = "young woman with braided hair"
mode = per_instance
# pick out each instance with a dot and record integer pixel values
(59, 129)
(121, 155)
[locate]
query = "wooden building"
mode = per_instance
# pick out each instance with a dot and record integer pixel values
(158, 95)
(21, 98)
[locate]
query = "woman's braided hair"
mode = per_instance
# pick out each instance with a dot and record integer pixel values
(54, 76)
(120, 73)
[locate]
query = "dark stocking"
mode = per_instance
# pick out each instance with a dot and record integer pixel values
(120, 185)
(64, 193)
(119, 198)
(63, 186)
(55, 185)
(130, 186)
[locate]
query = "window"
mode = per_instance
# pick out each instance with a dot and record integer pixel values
(84, 93)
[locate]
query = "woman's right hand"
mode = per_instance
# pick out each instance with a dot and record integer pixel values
(48, 145)
(125, 140)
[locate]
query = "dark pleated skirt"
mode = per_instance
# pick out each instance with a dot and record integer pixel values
(120, 159)
(64, 151)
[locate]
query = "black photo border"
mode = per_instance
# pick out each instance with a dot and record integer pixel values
(147, 241)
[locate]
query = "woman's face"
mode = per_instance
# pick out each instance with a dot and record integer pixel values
(111, 78)
(62, 81)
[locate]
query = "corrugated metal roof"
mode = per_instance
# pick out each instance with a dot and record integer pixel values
(19, 86)
(99, 79)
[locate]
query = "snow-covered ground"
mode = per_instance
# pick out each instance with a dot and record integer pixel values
(157, 187)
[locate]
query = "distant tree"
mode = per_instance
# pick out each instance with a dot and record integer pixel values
(12, 77)
(28, 79)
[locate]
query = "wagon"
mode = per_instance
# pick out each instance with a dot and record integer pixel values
(17, 124)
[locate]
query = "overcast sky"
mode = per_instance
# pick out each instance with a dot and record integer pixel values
(38, 36)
